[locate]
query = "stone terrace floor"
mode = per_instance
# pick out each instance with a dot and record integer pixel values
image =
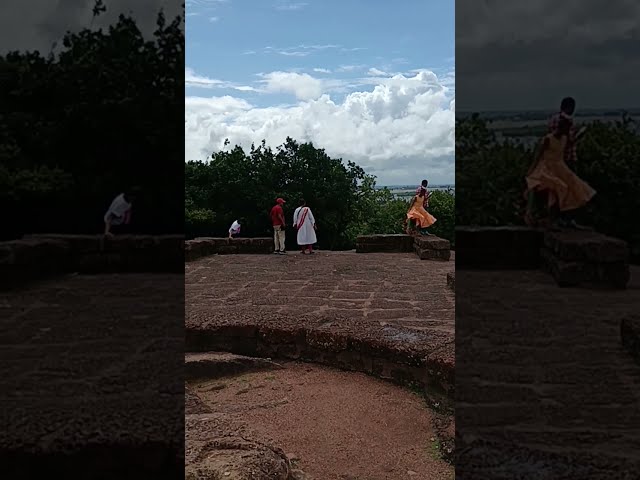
(382, 288)
(541, 374)
(84, 359)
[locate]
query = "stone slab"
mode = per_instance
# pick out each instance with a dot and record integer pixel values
(205, 246)
(217, 365)
(576, 273)
(398, 243)
(431, 242)
(429, 254)
(586, 246)
(507, 247)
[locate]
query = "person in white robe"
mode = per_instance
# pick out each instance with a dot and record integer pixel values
(305, 223)
(234, 230)
(119, 212)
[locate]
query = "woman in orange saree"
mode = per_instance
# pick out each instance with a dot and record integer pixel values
(418, 215)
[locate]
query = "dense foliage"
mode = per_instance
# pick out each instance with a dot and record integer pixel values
(80, 126)
(345, 200)
(490, 176)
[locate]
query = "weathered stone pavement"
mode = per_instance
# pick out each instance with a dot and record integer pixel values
(87, 379)
(379, 289)
(544, 386)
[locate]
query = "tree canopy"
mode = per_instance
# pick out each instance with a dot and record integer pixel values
(344, 198)
(79, 127)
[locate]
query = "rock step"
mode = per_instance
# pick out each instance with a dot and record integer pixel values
(384, 244)
(222, 364)
(586, 257)
(586, 246)
(432, 248)
(508, 247)
(575, 273)
(205, 246)
(426, 247)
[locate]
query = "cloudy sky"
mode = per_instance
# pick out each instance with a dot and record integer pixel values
(528, 55)
(38, 24)
(368, 80)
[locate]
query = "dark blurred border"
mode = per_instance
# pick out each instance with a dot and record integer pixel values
(546, 330)
(91, 336)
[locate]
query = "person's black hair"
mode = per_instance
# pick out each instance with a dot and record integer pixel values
(425, 183)
(303, 202)
(568, 105)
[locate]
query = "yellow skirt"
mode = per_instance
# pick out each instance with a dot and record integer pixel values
(565, 188)
(422, 218)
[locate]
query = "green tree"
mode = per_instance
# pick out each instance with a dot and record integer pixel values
(105, 112)
(344, 199)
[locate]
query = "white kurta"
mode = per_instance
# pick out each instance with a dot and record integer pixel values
(119, 207)
(306, 232)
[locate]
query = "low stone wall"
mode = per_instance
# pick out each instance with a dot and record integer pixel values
(578, 257)
(384, 244)
(36, 256)
(427, 247)
(404, 357)
(498, 247)
(205, 246)
(432, 248)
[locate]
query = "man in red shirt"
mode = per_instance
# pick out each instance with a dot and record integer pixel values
(277, 220)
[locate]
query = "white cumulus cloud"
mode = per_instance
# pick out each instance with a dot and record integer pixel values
(400, 130)
(302, 85)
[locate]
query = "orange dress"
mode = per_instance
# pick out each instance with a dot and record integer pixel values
(551, 174)
(417, 213)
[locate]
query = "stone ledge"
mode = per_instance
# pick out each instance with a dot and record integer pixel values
(630, 336)
(398, 243)
(575, 273)
(586, 246)
(216, 365)
(432, 248)
(205, 246)
(404, 356)
(38, 256)
(508, 247)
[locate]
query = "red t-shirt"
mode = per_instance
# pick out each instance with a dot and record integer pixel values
(276, 215)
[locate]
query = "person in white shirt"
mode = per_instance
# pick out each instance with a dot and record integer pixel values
(305, 223)
(119, 213)
(234, 230)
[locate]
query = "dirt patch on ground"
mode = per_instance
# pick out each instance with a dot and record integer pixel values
(331, 424)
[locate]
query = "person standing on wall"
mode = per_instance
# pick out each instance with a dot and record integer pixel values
(278, 223)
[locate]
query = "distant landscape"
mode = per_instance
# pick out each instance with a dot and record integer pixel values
(406, 191)
(528, 126)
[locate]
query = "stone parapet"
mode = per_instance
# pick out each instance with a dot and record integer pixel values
(205, 246)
